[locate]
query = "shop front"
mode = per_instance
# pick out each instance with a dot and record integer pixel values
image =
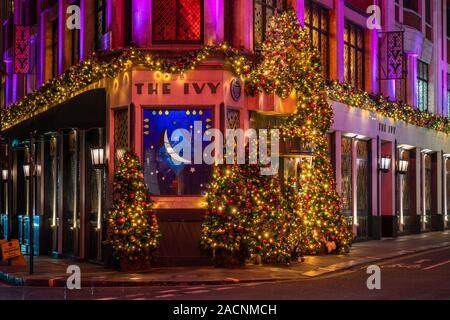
(161, 106)
(49, 177)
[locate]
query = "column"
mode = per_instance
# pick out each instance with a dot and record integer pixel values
(411, 81)
(337, 136)
(142, 23)
(214, 21)
(87, 33)
(299, 6)
(375, 224)
(337, 41)
(354, 187)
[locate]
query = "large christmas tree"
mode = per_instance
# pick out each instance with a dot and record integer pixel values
(291, 65)
(132, 226)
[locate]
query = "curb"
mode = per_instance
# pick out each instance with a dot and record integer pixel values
(61, 282)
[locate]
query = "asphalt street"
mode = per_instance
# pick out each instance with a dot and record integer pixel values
(420, 276)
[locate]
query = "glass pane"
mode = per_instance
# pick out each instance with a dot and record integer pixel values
(190, 20)
(164, 19)
(164, 172)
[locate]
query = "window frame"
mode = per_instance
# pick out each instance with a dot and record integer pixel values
(358, 50)
(324, 13)
(177, 27)
(98, 43)
(265, 6)
(423, 78)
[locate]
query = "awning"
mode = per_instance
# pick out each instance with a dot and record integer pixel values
(83, 112)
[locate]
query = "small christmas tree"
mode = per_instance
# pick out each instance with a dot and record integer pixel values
(132, 226)
(246, 217)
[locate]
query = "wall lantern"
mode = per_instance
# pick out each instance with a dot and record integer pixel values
(403, 166)
(98, 157)
(5, 174)
(38, 170)
(26, 170)
(385, 164)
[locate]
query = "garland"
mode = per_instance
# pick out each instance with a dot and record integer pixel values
(355, 98)
(98, 67)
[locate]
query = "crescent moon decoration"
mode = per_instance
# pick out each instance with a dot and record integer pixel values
(175, 156)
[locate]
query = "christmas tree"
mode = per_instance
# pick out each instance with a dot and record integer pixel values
(132, 226)
(245, 215)
(291, 66)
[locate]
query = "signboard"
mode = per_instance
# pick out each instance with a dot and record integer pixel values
(22, 50)
(391, 56)
(236, 89)
(10, 249)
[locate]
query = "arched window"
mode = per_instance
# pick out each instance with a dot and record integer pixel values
(177, 21)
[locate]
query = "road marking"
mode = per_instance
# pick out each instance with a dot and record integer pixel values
(165, 296)
(422, 261)
(107, 299)
(437, 265)
(167, 291)
(224, 288)
(134, 295)
(197, 291)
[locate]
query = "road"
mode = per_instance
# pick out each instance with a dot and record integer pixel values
(420, 276)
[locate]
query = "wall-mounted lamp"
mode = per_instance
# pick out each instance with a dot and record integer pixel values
(5, 174)
(99, 163)
(38, 170)
(385, 164)
(26, 170)
(402, 167)
(98, 157)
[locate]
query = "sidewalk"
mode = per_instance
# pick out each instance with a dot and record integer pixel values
(52, 273)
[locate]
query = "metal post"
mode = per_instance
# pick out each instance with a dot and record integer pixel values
(31, 212)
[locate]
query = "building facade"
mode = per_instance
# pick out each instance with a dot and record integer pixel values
(47, 165)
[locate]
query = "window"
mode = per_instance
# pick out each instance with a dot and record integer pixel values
(316, 23)
(354, 55)
(263, 11)
(100, 23)
(177, 21)
(362, 187)
(54, 48)
(422, 85)
(411, 5)
(163, 173)
(11, 7)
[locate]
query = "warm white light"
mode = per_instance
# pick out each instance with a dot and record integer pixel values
(403, 166)
(5, 174)
(26, 170)
(38, 170)
(120, 153)
(98, 156)
(385, 164)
